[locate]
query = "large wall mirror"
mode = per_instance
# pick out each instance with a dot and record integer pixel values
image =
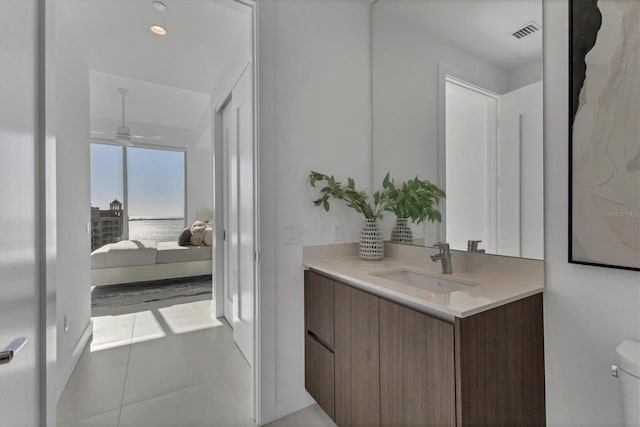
(457, 100)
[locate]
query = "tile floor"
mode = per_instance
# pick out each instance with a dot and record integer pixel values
(165, 366)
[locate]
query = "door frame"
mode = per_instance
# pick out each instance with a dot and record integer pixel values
(46, 215)
(46, 212)
(220, 205)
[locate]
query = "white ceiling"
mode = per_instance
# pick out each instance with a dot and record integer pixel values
(146, 102)
(170, 78)
(481, 27)
(204, 37)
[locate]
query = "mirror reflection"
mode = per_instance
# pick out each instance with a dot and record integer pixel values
(457, 100)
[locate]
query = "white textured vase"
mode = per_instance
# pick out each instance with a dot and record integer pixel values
(402, 233)
(371, 244)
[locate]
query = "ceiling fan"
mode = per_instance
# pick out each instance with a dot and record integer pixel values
(123, 133)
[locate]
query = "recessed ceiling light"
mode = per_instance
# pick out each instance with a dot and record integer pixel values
(158, 30)
(159, 6)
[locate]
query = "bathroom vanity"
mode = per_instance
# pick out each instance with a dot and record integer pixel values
(379, 352)
(396, 342)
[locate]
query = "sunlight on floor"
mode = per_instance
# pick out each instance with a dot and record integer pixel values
(112, 331)
(146, 328)
(116, 331)
(192, 317)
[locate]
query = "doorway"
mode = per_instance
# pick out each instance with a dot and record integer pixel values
(117, 378)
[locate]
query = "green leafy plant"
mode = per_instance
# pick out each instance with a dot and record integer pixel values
(357, 200)
(415, 199)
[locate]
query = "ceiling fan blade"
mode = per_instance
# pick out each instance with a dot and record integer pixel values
(99, 133)
(148, 138)
(100, 139)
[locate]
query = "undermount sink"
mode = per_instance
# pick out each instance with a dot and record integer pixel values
(422, 281)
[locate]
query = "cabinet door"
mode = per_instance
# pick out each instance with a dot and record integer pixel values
(319, 374)
(357, 360)
(500, 365)
(417, 378)
(318, 306)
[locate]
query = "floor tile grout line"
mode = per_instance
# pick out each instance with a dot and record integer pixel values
(177, 390)
(126, 372)
(230, 399)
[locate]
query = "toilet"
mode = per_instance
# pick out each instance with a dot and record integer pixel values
(628, 371)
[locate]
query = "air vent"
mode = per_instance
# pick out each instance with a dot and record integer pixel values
(526, 30)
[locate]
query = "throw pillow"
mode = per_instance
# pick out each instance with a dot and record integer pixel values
(184, 238)
(197, 233)
(208, 236)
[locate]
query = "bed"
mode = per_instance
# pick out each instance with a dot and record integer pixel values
(132, 261)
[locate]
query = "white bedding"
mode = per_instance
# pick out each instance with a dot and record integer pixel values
(170, 252)
(129, 253)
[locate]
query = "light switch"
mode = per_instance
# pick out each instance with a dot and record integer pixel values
(337, 233)
(292, 234)
(88, 227)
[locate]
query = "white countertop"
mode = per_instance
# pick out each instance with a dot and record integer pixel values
(490, 289)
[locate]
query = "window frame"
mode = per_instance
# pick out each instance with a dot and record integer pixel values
(125, 177)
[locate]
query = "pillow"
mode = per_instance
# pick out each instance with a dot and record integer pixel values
(197, 233)
(208, 236)
(184, 238)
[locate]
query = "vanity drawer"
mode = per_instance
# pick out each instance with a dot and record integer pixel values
(318, 304)
(319, 374)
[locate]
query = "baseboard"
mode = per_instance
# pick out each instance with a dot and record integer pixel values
(293, 403)
(67, 370)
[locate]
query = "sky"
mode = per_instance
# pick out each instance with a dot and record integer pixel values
(155, 177)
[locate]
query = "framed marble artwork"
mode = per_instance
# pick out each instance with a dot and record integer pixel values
(604, 133)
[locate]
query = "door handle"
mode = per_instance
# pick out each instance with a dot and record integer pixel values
(6, 355)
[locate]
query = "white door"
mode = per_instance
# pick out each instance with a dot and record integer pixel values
(470, 166)
(243, 110)
(238, 200)
(19, 218)
(230, 177)
(520, 223)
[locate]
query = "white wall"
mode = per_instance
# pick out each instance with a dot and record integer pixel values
(314, 101)
(408, 63)
(200, 175)
(588, 310)
(524, 75)
(73, 198)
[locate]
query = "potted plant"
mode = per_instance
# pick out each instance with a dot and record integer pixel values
(371, 244)
(414, 200)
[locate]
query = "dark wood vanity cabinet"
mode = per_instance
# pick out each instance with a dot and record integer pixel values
(318, 303)
(500, 365)
(357, 353)
(342, 351)
(319, 371)
(372, 362)
(417, 378)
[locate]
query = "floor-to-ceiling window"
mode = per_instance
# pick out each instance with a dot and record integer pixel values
(136, 193)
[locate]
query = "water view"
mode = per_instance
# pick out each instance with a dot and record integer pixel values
(162, 230)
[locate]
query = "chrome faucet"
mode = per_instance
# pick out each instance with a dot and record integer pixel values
(445, 256)
(472, 246)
